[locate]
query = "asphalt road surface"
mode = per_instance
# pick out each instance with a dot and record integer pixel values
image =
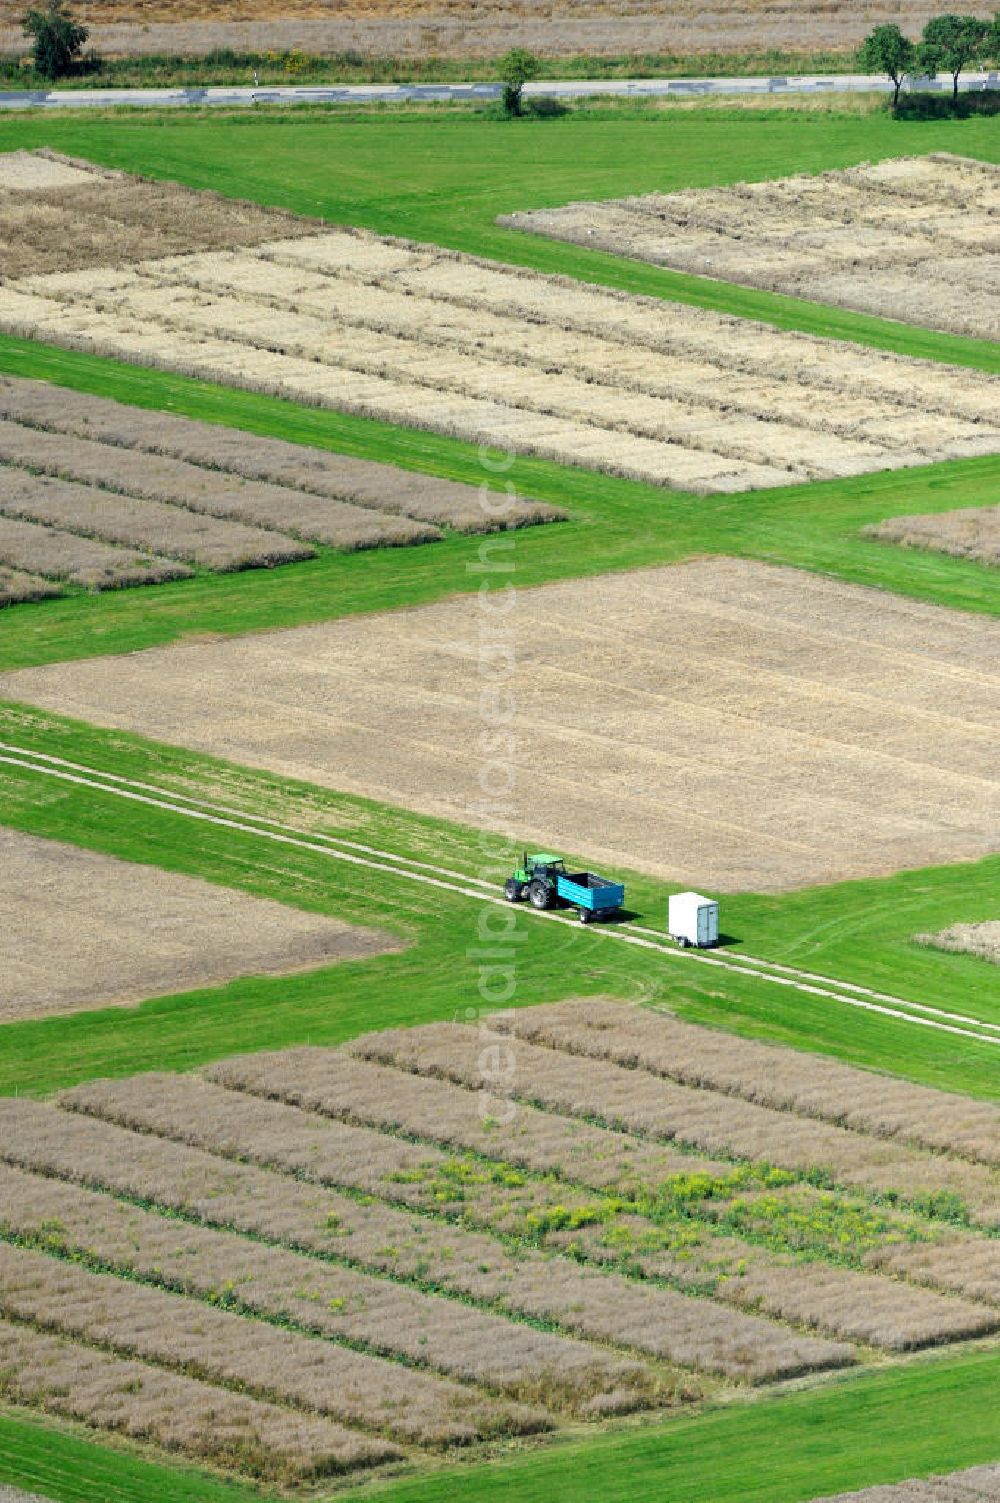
(641, 88)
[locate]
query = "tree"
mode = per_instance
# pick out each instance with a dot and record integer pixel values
(517, 68)
(57, 39)
(886, 50)
(950, 43)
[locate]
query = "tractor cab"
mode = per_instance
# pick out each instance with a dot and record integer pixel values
(542, 865)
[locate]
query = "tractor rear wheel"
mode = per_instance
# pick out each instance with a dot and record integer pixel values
(513, 891)
(539, 895)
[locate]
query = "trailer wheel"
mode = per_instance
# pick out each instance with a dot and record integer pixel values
(539, 895)
(683, 941)
(584, 915)
(513, 891)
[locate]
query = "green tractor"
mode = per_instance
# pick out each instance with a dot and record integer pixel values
(545, 882)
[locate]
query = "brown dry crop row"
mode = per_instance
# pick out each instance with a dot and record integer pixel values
(971, 532)
(842, 1302)
(340, 1303)
(643, 322)
(80, 560)
(685, 396)
(979, 1484)
(904, 240)
(316, 472)
(154, 477)
(585, 1302)
(969, 939)
(849, 1305)
(704, 1119)
(839, 1301)
(336, 1083)
(113, 221)
(812, 1085)
(304, 1372)
(175, 1412)
(17, 588)
(172, 530)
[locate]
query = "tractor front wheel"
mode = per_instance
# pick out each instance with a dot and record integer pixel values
(539, 895)
(513, 891)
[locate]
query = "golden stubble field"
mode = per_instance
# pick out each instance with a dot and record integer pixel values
(914, 238)
(139, 932)
(720, 722)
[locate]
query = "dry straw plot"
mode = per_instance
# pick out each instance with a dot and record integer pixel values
(139, 931)
(916, 239)
(810, 1085)
(639, 1102)
(176, 1412)
(80, 560)
(315, 1376)
(430, 339)
(452, 28)
(337, 1301)
(312, 493)
(970, 939)
(824, 701)
(971, 532)
(585, 1301)
(17, 587)
(979, 1484)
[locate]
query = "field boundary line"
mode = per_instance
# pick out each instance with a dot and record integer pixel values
(29, 762)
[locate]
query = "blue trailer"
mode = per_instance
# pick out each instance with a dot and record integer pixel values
(545, 882)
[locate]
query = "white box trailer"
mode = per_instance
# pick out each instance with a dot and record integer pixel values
(693, 920)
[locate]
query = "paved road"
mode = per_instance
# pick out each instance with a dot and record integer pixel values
(644, 88)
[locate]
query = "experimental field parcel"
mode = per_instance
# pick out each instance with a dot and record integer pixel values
(732, 724)
(86, 482)
(140, 932)
(388, 1274)
(426, 338)
(915, 238)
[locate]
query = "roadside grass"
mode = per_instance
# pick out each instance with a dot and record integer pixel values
(229, 66)
(858, 931)
(615, 524)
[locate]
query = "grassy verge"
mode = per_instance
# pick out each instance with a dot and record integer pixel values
(295, 66)
(859, 931)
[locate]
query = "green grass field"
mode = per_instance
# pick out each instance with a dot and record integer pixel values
(445, 179)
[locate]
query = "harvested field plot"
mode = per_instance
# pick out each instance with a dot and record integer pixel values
(449, 28)
(883, 239)
(364, 1278)
(325, 497)
(970, 532)
(979, 1484)
(140, 932)
(432, 339)
(824, 702)
(970, 939)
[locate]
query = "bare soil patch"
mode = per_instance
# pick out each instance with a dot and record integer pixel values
(139, 932)
(720, 722)
(544, 365)
(979, 1484)
(968, 939)
(971, 532)
(915, 239)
